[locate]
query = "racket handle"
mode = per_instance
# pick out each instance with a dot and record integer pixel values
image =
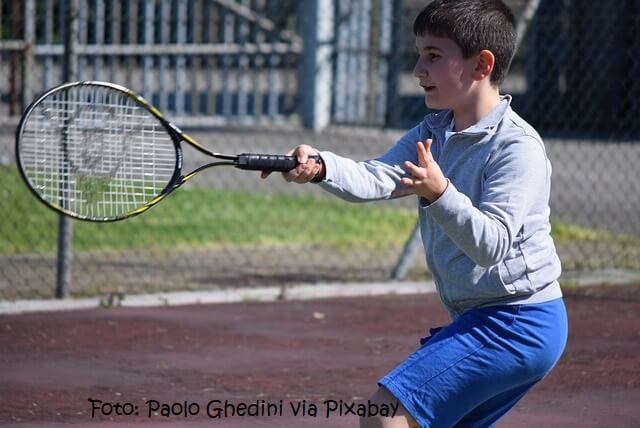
(259, 162)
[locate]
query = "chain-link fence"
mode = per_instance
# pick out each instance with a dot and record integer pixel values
(266, 75)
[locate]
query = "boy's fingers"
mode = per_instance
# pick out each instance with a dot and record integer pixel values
(311, 163)
(415, 170)
(427, 145)
(303, 153)
(306, 169)
(305, 177)
(303, 173)
(422, 154)
(290, 176)
(407, 181)
(300, 154)
(287, 175)
(424, 151)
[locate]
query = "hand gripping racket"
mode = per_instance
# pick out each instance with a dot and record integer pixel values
(97, 151)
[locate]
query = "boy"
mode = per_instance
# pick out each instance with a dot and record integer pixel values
(483, 181)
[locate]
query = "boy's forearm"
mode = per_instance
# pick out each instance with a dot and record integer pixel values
(359, 181)
(374, 179)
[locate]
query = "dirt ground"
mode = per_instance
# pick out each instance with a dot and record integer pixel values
(286, 356)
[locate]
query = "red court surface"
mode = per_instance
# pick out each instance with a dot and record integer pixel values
(294, 353)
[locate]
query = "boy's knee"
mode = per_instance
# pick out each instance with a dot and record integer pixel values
(384, 422)
(400, 419)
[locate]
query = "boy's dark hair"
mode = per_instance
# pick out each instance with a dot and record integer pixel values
(473, 25)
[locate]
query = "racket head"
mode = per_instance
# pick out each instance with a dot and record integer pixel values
(97, 151)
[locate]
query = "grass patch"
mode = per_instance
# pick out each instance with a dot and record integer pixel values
(199, 217)
(207, 217)
(571, 232)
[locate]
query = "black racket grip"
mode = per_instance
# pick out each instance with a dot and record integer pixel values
(260, 162)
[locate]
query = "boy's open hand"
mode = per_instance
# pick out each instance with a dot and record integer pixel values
(307, 170)
(427, 178)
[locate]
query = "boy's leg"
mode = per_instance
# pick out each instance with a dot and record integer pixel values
(486, 357)
(402, 418)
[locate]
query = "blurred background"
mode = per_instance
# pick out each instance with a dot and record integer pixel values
(267, 75)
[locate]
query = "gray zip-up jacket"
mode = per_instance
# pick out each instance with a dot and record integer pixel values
(486, 239)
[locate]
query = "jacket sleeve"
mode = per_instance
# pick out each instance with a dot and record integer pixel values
(373, 179)
(515, 181)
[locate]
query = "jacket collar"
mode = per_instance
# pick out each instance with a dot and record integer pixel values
(487, 125)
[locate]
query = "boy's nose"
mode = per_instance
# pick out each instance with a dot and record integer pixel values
(419, 71)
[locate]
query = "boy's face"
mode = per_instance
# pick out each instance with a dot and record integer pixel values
(444, 74)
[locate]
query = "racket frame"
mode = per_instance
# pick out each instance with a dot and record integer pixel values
(176, 134)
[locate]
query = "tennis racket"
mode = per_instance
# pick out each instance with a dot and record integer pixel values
(97, 151)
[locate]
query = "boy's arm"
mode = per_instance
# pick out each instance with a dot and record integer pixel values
(372, 179)
(513, 185)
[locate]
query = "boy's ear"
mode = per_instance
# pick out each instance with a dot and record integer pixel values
(484, 64)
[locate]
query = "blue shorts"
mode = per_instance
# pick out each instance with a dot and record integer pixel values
(472, 371)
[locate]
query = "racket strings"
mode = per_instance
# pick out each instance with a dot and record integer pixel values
(95, 152)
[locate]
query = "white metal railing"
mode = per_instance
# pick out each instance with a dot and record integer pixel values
(205, 62)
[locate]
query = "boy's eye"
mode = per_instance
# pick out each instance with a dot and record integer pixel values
(433, 56)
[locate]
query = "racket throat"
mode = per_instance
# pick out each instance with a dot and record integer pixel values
(184, 178)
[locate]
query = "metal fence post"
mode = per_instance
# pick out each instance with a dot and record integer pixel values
(65, 227)
(411, 247)
(149, 38)
(317, 25)
(27, 58)
(525, 20)
(392, 109)
(180, 60)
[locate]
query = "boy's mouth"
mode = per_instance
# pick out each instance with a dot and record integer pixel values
(428, 88)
